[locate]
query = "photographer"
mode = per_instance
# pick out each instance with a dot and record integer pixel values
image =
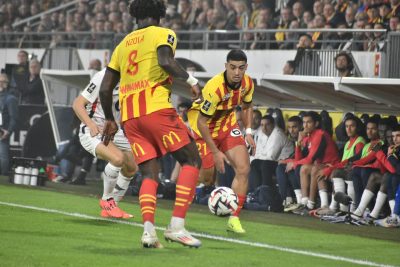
(8, 122)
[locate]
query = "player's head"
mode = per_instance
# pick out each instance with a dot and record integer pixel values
(373, 128)
(311, 121)
(236, 66)
(294, 126)
(143, 9)
(396, 135)
(354, 126)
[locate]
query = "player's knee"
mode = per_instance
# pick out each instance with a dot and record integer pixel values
(305, 170)
(194, 161)
(243, 171)
(117, 160)
(339, 173)
(375, 179)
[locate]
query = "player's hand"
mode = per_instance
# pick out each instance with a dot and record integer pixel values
(289, 166)
(110, 129)
(249, 140)
(302, 134)
(196, 94)
(94, 130)
(220, 159)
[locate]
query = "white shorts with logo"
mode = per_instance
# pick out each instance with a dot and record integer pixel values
(90, 143)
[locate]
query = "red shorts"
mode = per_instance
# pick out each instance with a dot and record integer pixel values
(153, 135)
(224, 142)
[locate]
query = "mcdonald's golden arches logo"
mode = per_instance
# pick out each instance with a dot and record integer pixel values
(136, 147)
(170, 137)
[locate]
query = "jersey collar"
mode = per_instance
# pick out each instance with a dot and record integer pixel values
(229, 86)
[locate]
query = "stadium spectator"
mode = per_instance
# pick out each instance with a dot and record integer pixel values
(289, 67)
(8, 122)
(20, 73)
(33, 93)
(395, 5)
(318, 8)
(393, 23)
(298, 11)
(307, 19)
(290, 37)
(317, 37)
(284, 23)
(350, 17)
(344, 64)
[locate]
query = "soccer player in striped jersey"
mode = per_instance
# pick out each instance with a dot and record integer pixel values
(214, 120)
(121, 165)
(144, 64)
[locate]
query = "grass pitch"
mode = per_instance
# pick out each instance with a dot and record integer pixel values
(71, 233)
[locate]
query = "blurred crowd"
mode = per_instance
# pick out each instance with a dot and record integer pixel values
(100, 17)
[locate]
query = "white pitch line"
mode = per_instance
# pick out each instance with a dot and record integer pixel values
(208, 236)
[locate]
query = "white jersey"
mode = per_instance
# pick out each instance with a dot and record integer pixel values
(96, 113)
(94, 108)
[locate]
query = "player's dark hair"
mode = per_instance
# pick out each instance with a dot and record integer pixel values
(236, 55)
(374, 120)
(396, 128)
(268, 118)
(350, 64)
(258, 112)
(296, 119)
(314, 116)
(360, 127)
(142, 9)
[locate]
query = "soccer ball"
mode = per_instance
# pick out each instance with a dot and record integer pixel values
(223, 201)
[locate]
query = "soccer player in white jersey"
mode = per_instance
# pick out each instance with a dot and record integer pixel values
(121, 164)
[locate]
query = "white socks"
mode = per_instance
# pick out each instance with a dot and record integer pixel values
(148, 227)
(323, 194)
(177, 223)
(351, 193)
(365, 199)
(110, 175)
(391, 205)
(380, 200)
(121, 186)
(339, 186)
(297, 192)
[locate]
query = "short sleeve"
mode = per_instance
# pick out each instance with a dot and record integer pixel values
(166, 37)
(91, 91)
(114, 62)
(248, 97)
(211, 100)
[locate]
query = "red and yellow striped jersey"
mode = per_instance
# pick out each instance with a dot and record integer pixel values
(144, 85)
(219, 104)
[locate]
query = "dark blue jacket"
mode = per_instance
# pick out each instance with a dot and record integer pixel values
(9, 111)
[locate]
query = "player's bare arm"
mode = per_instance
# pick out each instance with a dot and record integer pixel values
(219, 157)
(108, 84)
(79, 108)
(167, 61)
(247, 110)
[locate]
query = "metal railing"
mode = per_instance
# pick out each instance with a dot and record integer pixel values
(393, 56)
(216, 39)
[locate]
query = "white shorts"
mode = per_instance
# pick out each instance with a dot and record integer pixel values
(90, 143)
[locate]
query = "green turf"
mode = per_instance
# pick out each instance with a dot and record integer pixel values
(35, 238)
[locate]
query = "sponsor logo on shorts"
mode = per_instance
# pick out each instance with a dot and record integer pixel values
(136, 148)
(236, 133)
(171, 137)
